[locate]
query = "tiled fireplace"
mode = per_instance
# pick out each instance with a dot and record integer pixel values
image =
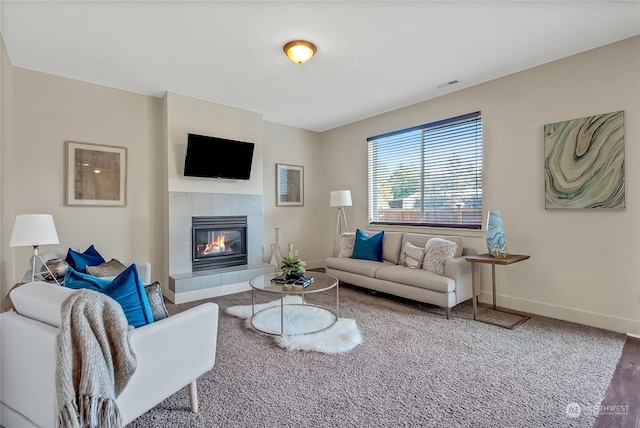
(225, 232)
(184, 206)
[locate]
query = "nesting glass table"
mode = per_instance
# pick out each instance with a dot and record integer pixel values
(307, 317)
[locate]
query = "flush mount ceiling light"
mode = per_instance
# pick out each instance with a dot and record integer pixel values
(299, 51)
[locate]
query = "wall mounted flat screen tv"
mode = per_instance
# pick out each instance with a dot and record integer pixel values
(214, 157)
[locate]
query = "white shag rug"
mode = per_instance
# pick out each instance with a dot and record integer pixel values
(342, 336)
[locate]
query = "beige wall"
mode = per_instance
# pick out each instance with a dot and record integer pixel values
(584, 264)
(301, 225)
(6, 86)
(190, 115)
(47, 110)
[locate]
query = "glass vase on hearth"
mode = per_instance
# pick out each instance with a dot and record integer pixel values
(496, 236)
(276, 254)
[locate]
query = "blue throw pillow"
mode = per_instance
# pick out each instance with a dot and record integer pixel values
(368, 247)
(77, 280)
(80, 261)
(126, 289)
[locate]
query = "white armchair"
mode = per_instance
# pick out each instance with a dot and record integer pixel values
(171, 354)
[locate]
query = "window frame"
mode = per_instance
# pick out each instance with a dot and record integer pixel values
(472, 214)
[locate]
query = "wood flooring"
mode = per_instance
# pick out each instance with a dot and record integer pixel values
(620, 407)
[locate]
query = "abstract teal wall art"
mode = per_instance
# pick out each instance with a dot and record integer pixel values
(584, 162)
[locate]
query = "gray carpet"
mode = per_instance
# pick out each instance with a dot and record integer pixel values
(414, 368)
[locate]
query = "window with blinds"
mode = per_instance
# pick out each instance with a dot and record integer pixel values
(428, 175)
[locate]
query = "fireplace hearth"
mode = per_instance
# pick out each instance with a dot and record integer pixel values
(218, 242)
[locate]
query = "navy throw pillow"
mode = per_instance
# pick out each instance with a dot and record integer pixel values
(368, 247)
(80, 261)
(126, 289)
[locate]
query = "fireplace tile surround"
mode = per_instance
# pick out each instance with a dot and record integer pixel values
(185, 205)
(185, 285)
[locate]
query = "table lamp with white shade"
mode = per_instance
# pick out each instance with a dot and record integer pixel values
(33, 230)
(340, 199)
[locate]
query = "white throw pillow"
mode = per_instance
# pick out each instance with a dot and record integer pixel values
(411, 256)
(436, 253)
(345, 243)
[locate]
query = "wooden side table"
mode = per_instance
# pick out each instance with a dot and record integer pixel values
(475, 280)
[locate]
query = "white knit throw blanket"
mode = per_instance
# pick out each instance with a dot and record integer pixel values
(95, 362)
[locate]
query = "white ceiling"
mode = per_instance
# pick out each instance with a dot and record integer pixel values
(373, 56)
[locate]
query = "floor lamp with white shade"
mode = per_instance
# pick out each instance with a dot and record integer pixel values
(340, 199)
(33, 230)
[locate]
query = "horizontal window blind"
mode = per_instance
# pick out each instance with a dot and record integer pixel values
(428, 175)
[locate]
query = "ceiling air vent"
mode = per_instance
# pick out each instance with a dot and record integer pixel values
(452, 82)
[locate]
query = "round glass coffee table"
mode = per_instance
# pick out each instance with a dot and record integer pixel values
(296, 316)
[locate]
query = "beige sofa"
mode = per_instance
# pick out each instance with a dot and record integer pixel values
(388, 276)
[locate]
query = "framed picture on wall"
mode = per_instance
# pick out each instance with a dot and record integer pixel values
(96, 175)
(289, 185)
(584, 163)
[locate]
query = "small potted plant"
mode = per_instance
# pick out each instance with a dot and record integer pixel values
(292, 267)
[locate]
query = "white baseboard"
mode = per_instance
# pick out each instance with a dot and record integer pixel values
(622, 325)
(207, 293)
(593, 319)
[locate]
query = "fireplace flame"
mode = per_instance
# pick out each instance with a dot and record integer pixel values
(216, 246)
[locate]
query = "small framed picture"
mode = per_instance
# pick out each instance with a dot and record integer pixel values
(96, 174)
(289, 185)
